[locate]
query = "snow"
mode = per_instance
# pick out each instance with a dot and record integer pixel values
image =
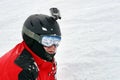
(90, 47)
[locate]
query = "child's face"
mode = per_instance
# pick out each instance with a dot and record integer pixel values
(51, 50)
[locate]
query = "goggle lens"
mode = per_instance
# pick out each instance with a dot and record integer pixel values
(50, 40)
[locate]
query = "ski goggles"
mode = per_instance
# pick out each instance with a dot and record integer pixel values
(48, 40)
(45, 40)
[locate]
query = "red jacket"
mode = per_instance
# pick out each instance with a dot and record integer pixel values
(10, 70)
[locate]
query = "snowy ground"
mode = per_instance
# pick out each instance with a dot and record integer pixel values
(90, 47)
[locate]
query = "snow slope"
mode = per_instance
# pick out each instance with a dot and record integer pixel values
(90, 47)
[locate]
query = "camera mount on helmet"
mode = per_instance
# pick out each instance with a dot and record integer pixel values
(55, 13)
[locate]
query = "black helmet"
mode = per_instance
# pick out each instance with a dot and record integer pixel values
(42, 25)
(39, 24)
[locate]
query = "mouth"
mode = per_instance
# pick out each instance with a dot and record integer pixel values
(51, 52)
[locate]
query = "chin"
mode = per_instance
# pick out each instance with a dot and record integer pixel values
(51, 52)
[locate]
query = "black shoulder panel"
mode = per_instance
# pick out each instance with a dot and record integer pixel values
(26, 62)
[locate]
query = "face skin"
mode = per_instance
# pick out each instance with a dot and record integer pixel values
(51, 50)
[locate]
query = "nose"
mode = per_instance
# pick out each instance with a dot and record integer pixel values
(52, 47)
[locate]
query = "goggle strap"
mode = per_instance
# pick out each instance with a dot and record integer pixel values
(31, 34)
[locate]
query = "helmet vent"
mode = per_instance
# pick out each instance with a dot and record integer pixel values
(40, 23)
(31, 23)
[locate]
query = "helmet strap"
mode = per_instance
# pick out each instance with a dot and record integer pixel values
(31, 34)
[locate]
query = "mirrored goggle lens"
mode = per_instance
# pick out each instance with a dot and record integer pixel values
(50, 40)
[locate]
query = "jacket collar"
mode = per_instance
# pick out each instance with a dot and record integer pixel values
(37, 59)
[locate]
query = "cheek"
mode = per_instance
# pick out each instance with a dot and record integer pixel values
(45, 48)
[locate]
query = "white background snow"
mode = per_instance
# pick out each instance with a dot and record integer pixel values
(90, 47)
